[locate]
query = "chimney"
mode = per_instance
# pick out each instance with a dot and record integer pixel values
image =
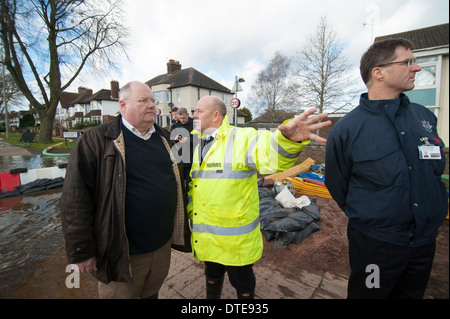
(114, 89)
(82, 89)
(173, 66)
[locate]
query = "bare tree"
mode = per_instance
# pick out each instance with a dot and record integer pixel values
(274, 88)
(323, 71)
(12, 93)
(47, 43)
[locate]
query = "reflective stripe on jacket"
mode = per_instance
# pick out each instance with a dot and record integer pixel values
(223, 196)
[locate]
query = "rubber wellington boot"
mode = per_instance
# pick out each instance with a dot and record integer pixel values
(214, 288)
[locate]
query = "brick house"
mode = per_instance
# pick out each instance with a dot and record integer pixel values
(86, 106)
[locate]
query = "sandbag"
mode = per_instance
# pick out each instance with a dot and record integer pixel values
(285, 239)
(35, 186)
(286, 225)
(295, 221)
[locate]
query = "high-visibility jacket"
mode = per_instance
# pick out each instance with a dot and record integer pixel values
(223, 195)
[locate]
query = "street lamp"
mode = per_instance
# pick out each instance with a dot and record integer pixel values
(236, 88)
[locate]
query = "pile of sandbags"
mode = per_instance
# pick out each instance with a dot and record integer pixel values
(286, 218)
(286, 225)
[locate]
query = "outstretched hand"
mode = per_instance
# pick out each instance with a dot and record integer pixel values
(301, 127)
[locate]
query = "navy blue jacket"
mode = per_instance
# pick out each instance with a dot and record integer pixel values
(374, 173)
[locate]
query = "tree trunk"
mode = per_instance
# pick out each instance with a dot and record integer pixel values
(46, 128)
(47, 117)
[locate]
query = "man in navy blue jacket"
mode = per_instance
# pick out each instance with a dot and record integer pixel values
(384, 162)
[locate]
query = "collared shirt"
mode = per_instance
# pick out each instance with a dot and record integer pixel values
(136, 132)
(206, 143)
(213, 135)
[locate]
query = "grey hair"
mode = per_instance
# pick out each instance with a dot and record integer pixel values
(182, 110)
(125, 90)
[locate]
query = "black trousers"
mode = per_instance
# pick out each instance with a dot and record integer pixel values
(186, 178)
(386, 271)
(241, 278)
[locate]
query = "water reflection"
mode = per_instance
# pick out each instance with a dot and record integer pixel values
(29, 161)
(30, 226)
(30, 231)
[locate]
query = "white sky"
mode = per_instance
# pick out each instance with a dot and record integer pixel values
(238, 37)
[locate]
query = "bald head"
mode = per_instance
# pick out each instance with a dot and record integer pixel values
(209, 113)
(215, 103)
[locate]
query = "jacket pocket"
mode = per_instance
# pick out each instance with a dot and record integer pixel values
(378, 165)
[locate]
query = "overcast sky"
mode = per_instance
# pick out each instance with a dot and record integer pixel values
(238, 37)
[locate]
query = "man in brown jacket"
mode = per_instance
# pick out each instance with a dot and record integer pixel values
(123, 203)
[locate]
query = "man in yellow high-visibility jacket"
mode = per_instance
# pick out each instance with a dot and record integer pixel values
(223, 195)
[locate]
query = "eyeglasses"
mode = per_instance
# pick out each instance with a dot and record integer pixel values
(144, 101)
(409, 62)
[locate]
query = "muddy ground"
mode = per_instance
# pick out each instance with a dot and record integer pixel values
(327, 250)
(324, 250)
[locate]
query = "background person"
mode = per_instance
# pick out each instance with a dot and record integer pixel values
(185, 127)
(175, 119)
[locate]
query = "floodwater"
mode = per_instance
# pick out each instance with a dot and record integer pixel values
(30, 226)
(30, 161)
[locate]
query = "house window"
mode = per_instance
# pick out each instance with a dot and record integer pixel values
(168, 99)
(158, 96)
(159, 120)
(427, 76)
(427, 83)
(222, 96)
(97, 105)
(178, 95)
(96, 119)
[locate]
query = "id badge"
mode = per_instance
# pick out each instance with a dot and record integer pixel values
(429, 152)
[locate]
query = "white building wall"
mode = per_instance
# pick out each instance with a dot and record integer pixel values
(186, 97)
(110, 108)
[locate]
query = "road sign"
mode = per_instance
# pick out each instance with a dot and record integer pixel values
(71, 134)
(158, 111)
(235, 103)
(234, 89)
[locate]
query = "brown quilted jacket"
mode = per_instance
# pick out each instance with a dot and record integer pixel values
(93, 202)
